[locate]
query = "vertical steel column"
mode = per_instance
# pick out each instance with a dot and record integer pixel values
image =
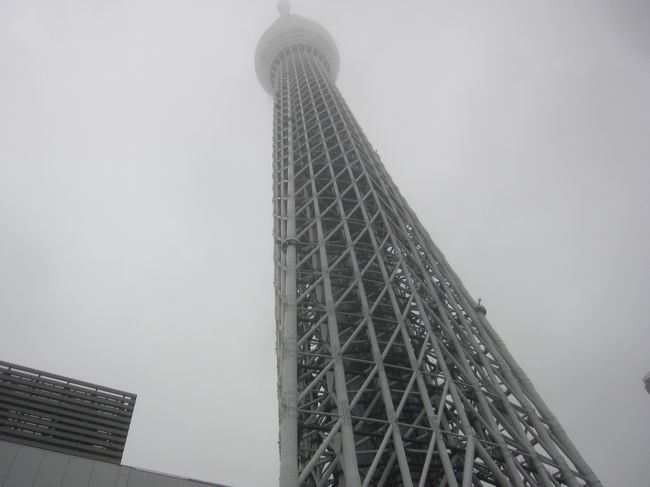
(289, 367)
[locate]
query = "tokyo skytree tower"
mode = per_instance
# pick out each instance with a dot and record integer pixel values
(389, 373)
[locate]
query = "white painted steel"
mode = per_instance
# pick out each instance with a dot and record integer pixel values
(288, 365)
(389, 374)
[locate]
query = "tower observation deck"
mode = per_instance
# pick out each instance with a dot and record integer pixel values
(389, 374)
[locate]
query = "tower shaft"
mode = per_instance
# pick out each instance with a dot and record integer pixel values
(389, 374)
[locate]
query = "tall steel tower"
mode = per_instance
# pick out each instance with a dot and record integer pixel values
(389, 373)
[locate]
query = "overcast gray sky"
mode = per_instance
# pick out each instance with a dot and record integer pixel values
(135, 202)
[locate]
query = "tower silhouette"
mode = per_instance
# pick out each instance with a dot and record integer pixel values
(389, 373)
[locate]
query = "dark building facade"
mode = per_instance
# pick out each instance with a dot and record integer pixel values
(60, 432)
(62, 414)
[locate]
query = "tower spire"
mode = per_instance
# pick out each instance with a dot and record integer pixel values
(284, 8)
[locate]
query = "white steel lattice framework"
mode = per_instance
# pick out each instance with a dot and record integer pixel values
(388, 373)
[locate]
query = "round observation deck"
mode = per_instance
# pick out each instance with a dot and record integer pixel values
(293, 31)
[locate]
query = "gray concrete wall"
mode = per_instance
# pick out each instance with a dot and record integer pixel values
(26, 466)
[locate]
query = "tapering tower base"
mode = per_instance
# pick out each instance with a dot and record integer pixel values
(389, 373)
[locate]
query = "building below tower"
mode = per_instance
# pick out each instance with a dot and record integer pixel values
(62, 414)
(57, 431)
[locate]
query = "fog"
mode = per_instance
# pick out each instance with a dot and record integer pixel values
(135, 202)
